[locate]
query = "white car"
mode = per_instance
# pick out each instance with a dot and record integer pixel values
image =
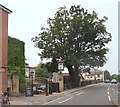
(40, 90)
(114, 81)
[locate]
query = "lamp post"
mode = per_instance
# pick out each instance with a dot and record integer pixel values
(32, 81)
(47, 93)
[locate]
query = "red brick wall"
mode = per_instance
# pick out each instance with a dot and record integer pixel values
(4, 38)
(3, 48)
(0, 37)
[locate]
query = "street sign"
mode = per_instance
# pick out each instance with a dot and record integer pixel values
(60, 65)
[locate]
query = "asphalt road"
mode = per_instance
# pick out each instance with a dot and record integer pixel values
(114, 93)
(100, 94)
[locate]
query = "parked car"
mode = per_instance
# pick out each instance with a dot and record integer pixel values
(40, 90)
(114, 81)
(36, 92)
(107, 81)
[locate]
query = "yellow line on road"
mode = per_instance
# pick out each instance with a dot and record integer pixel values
(69, 94)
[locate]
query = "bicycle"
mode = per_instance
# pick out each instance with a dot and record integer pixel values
(5, 99)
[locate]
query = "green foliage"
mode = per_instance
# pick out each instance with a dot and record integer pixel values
(107, 75)
(117, 77)
(41, 71)
(22, 86)
(76, 36)
(16, 60)
(16, 52)
(52, 66)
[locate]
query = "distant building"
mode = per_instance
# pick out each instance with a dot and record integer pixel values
(29, 71)
(94, 75)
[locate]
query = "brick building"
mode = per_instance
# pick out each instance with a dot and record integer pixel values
(3, 47)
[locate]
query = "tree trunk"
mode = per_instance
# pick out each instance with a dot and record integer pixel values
(74, 79)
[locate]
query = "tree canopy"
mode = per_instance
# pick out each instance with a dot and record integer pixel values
(76, 36)
(41, 71)
(116, 76)
(107, 75)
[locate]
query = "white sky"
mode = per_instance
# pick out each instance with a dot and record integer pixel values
(30, 15)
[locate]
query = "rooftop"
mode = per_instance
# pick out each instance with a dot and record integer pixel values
(5, 9)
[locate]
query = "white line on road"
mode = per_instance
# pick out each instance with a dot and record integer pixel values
(80, 93)
(113, 89)
(108, 89)
(117, 91)
(108, 92)
(109, 98)
(65, 100)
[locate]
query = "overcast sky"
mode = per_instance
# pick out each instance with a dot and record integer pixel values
(30, 15)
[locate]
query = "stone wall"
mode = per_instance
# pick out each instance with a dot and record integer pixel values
(14, 85)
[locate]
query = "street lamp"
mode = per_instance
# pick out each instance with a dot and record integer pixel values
(47, 93)
(32, 80)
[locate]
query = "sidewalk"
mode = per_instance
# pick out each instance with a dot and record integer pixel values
(41, 99)
(115, 102)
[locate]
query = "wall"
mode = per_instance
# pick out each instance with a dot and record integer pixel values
(3, 49)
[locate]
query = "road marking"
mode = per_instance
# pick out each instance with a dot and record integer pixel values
(108, 92)
(65, 100)
(113, 89)
(117, 91)
(109, 98)
(108, 89)
(80, 93)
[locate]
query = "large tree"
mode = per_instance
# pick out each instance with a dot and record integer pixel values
(41, 71)
(107, 75)
(77, 37)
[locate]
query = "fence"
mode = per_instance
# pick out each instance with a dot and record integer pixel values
(69, 85)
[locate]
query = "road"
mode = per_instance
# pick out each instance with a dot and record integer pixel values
(99, 94)
(114, 93)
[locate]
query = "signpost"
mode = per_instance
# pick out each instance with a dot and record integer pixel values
(61, 65)
(54, 77)
(60, 68)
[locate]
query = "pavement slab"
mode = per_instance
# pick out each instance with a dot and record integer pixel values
(115, 102)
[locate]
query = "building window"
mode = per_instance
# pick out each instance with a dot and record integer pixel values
(98, 75)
